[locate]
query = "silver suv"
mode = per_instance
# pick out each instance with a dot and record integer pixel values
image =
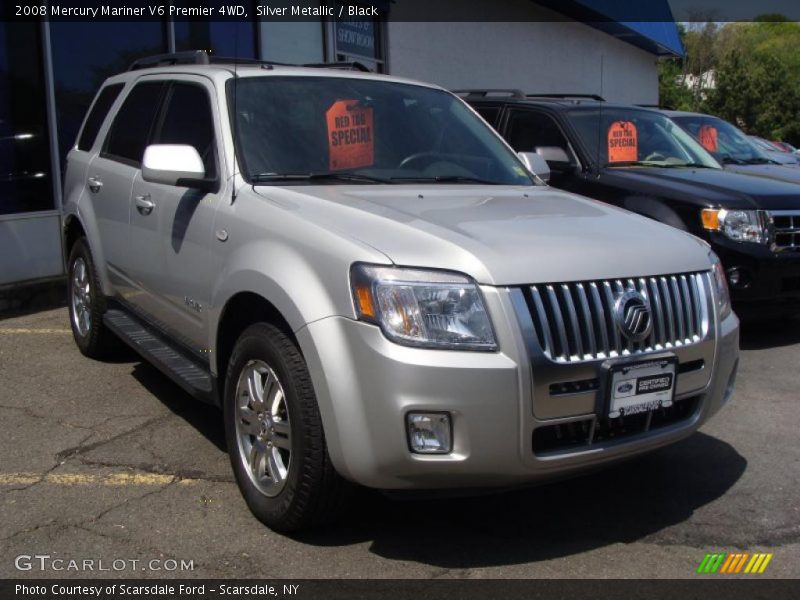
(376, 289)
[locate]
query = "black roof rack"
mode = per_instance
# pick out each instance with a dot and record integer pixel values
(568, 96)
(346, 66)
(201, 57)
(490, 92)
(190, 57)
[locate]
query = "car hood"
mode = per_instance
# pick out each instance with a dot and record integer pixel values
(707, 187)
(497, 234)
(784, 158)
(784, 173)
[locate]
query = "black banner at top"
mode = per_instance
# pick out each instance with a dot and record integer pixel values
(402, 10)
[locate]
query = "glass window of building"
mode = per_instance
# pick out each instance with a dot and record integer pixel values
(85, 54)
(359, 39)
(25, 176)
(220, 38)
(292, 42)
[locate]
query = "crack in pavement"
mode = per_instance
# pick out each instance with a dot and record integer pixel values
(80, 449)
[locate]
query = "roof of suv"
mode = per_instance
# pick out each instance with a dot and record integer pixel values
(561, 101)
(226, 68)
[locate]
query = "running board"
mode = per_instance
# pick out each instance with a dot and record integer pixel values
(187, 373)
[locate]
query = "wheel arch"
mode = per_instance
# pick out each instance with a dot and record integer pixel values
(72, 231)
(239, 312)
(656, 209)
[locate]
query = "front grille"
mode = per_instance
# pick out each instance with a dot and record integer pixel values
(785, 229)
(575, 322)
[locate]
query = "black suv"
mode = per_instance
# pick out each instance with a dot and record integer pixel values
(639, 159)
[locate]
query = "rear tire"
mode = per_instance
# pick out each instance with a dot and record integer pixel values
(274, 434)
(87, 305)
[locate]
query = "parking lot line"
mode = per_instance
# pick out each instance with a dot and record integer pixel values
(23, 330)
(107, 479)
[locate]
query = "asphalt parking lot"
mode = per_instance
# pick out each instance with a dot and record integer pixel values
(110, 461)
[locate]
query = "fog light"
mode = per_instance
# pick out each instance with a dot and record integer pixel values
(429, 433)
(737, 278)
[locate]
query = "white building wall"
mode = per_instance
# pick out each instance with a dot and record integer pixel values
(533, 56)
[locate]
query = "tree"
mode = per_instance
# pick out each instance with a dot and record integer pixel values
(756, 69)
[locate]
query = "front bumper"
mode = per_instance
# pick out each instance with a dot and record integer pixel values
(769, 280)
(366, 384)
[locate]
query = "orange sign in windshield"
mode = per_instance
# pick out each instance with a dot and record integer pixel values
(623, 142)
(350, 135)
(708, 137)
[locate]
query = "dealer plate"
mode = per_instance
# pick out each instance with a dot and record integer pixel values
(641, 387)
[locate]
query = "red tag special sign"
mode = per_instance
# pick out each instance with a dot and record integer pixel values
(623, 142)
(350, 139)
(708, 137)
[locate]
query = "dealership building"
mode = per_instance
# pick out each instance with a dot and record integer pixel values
(50, 71)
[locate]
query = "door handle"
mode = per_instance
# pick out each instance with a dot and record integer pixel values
(144, 205)
(95, 184)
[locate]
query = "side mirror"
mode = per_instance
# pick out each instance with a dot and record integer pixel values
(536, 165)
(555, 156)
(174, 164)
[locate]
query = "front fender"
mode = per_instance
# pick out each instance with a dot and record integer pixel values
(303, 288)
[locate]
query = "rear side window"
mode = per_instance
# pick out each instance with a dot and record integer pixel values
(131, 129)
(528, 129)
(489, 113)
(188, 120)
(97, 115)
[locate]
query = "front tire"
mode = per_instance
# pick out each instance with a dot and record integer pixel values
(87, 304)
(274, 434)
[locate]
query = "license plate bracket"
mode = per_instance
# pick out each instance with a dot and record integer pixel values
(640, 386)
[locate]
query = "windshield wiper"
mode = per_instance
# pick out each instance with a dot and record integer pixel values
(271, 177)
(658, 165)
(693, 165)
(447, 179)
(631, 163)
(760, 161)
(729, 160)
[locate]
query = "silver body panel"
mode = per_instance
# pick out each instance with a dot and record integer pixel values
(294, 247)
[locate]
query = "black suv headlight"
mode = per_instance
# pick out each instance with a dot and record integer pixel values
(737, 225)
(424, 308)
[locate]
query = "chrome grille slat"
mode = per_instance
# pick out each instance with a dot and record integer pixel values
(661, 337)
(601, 318)
(539, 307)
(687, 305)
(591, 338)
(561, 330)
(575, 327)
(577, 322)
(611, 325)
(673, 285)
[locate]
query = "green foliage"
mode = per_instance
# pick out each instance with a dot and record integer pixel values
(756, 69)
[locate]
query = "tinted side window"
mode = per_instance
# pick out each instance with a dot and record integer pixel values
(188, 120)
(489, 113)
(130, 131)
(528, 129)
(97, 115)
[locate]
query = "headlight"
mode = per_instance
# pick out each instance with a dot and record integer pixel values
(721, 293)
(431, 309)
(738, 225)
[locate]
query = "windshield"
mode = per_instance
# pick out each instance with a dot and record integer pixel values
(727, 143)
(312, 129)
(620, 137)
